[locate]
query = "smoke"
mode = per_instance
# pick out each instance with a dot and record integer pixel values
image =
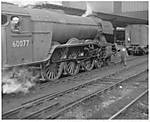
(88, 10)
(18, 80)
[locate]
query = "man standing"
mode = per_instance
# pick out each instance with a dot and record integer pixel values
(123, 54)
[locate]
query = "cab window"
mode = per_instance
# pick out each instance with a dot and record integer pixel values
(15, 24)
(4, 19)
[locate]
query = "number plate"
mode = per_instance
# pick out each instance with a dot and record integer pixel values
(20, 43)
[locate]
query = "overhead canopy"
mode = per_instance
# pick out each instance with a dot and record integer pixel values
(117, 20)
(121, 20)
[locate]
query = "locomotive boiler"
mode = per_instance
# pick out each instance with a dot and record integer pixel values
(52, 42)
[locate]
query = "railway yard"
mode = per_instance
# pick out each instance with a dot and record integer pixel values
(63, 62)
(110, 92)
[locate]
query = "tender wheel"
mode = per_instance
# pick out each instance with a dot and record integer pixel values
(98, 63)
(52, 71)
(89, 64)
(72, 68)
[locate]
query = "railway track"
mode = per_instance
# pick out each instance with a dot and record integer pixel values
(85, 84)
(38, 108)
(117, 114)
(83, 75)
(81, 101)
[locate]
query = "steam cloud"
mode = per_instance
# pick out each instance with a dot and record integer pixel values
(88, 10)
(19, 80)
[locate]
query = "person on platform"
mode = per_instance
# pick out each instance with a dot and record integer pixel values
(123, 53)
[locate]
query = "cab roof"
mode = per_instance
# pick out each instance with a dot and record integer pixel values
(13, 9)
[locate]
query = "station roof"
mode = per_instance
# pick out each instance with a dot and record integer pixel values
(120, 20)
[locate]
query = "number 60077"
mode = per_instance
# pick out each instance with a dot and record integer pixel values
(20, 43)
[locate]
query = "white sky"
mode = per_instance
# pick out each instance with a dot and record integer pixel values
(25, 2)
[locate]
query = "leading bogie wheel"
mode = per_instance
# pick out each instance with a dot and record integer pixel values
(52, 71)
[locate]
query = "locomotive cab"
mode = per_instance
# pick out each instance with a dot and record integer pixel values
(16, 38)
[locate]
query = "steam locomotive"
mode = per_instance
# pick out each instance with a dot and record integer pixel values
(54, 43)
